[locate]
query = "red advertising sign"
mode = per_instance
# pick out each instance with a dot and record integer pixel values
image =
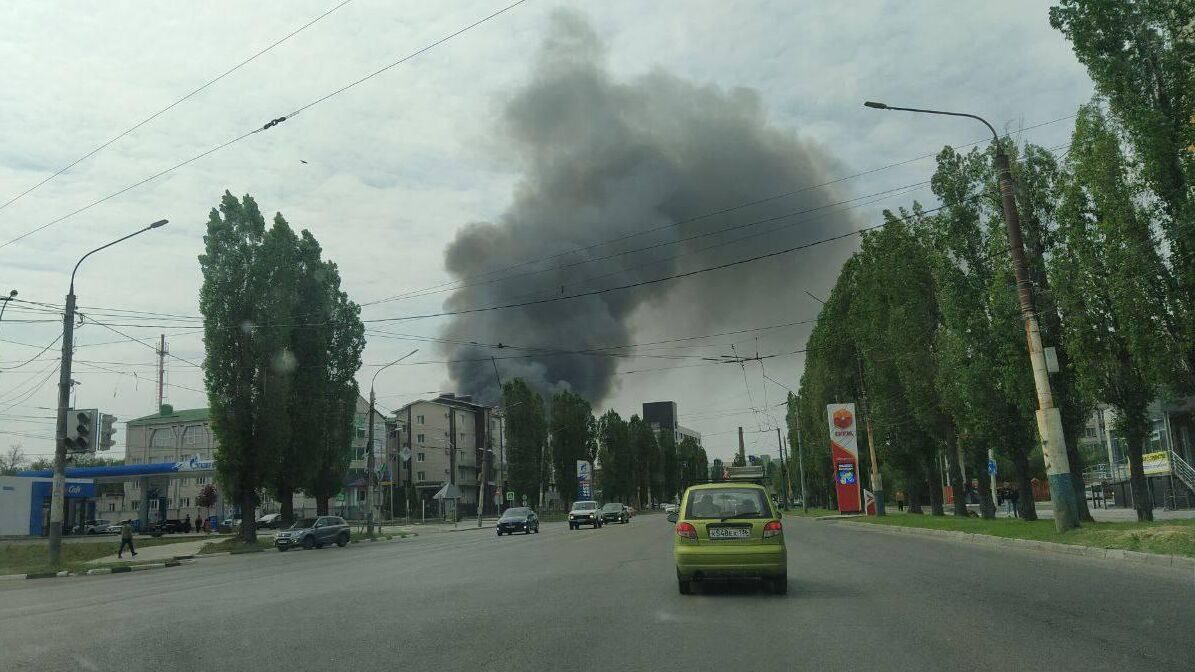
(844, 453)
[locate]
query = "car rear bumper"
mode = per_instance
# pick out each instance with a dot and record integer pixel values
(730, 561)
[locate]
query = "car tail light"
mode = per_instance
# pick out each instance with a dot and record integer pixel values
(686, 530)
(772, 529)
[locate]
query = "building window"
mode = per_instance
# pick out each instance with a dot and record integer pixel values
(420, 457)
(200, 480)
(184, 501)
(360, 432)
(162, 439)
(111, 506)
(360, 495)
(420, 439)
(195, 438)
(421, 475)
(134, 485)
(136, 504)
(419, 419)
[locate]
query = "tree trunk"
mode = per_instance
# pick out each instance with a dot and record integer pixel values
(286, 497)
(1135, 426)
(1076, 462)
(248, 527)
(956, 478)
(935, 484)
(1026, 508)
(916, 486)
(979, 465)
(321, 506)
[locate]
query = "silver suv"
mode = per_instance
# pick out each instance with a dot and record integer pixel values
(314, 533)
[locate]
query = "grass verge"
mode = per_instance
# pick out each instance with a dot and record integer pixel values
(813, 512)
(1166, 537)
(235, 545)
(26, 558)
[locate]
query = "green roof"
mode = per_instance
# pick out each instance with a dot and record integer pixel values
(187, 415)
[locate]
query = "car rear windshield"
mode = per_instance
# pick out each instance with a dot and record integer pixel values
(615, 508)
(728, 503)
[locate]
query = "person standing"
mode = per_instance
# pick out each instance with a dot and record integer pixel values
(1014, 497)
(900, 500)
(126, 538)
(187, 524)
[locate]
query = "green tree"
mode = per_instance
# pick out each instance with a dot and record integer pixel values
(326, 403)
(1111, 285)
(1141, 56)
(692, 464)
(13, 460)
(616, 457)
(646, 462)
(572, 431)
(526, 436)
(245, 367)
(670, 466)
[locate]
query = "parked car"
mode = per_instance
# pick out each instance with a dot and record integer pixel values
(114, 528)
(314, 533)
(518, 519)
(168, 526)
(615, 512)
(98, 526)
(270, 521)
(584, 512)
(671, 508)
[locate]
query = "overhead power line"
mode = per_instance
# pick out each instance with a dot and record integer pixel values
(171, 106)
(268, 125)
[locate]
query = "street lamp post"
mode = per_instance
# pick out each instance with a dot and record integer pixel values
(11, 295)
(58, 489)
(369, 456)
(1049, 420)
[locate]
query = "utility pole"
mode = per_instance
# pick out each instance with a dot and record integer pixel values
(370, 459)
(58, 488)
(801, 464)
(452, 460)
(877, 481)
(162, 372)
(783, 469)
(483, 486)
(1049, 419)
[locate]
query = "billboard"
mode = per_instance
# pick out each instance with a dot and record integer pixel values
(1154, 464)
(844, 454)
(584, 480)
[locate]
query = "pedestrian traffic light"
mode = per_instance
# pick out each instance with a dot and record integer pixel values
(107, 431)
(81, 430)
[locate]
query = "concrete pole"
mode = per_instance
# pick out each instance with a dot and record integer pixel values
(58, 488)
(369, 465)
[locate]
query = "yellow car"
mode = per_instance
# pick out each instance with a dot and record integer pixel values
(728, 530)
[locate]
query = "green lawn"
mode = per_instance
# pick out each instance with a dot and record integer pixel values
(23, 558)
(235, 545)
(1168, 537)
(813, 512)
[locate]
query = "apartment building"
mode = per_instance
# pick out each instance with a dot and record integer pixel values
(448, 437)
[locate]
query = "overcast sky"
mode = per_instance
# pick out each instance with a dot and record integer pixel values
(395, 166)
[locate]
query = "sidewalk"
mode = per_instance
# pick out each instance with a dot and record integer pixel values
(1111, 515)
(437, 526)
(157, 553)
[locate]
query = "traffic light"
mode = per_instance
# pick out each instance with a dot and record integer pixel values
(107, 431)
(81, 430)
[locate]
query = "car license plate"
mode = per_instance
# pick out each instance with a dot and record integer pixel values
(729, 532)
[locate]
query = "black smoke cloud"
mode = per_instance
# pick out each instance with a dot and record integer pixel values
(602, 159)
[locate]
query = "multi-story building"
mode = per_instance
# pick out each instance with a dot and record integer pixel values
(662, 417)
(185, 435)
(448, 437)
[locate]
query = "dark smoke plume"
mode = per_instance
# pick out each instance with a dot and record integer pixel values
(602, 159)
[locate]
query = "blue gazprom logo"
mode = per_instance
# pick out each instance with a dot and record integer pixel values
(195, 464)
(74, 489)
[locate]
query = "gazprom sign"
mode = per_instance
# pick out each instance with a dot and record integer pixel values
(195, 464)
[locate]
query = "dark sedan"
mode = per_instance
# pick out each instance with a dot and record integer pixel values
(615, 512)
(518, 519)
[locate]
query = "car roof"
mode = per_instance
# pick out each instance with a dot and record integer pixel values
(727, 484)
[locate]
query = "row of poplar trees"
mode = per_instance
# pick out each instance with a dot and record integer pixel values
(545, 441)
(283, 345)
(925, 318)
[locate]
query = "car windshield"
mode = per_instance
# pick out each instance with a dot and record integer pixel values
(729, 502)
(514, 514)
(303, 523)
(584, 506)
(612, 508)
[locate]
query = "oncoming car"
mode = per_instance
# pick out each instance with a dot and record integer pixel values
(729, 530)
(584, 512)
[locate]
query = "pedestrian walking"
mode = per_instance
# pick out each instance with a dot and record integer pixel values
(126, 539)
(900, 500)
(1014, 496)
(187, 524)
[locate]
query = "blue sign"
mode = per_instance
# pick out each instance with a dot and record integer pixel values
(992, 467)
(846, 473)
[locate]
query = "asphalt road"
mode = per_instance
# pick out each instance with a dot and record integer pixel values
(607, 600)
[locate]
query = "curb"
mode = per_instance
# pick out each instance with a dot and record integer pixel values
(1120, 554)
(99, 570)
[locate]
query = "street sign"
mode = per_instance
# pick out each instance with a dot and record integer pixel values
(991, 467)
(510, 495)
(340, 498)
